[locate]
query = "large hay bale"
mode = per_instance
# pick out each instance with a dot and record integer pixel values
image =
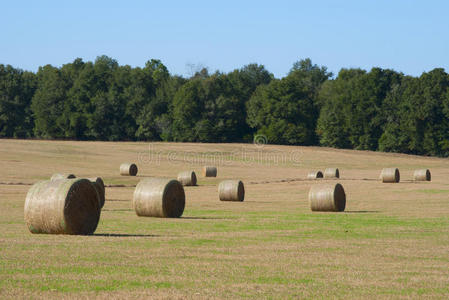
(64, 206)
(159, 197)
(315, 175)
(422, 175)
(99, 185)
(187, 178)
(331, 173)
(128, 169)
(390, 175)
(327, 197)
(231, 190)
(209, 171)
(57, 176)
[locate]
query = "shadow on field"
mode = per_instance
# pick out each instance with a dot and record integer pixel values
(15, 183)
(118, 200)
(205, 218)
(118, 209)
(119, 185)
(362, 212)
(124, 235)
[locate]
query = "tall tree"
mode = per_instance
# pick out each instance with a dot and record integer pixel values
(16, 90)
(286, 110)
(351, 108)
(48, 103)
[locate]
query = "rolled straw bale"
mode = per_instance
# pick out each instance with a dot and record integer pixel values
(390, 175)
(209, 171)
(159, 197)
(315, 175)
(99, 186)
(422, 175)
(331, 173)
(128, 169)
(57, 176)
(327, 197)
(231, 190)
(187, 178)
(64, 206)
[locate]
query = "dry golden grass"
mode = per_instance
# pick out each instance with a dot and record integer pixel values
(391, 242)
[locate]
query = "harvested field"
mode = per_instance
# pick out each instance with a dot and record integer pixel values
(392, 240)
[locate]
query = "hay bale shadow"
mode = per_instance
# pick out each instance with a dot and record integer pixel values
(362, 212)
(118, 200)
(205, 218)
(124, 235)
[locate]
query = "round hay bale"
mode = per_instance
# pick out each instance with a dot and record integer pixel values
(187, 178)
(64, 206)
(99, 186)
(128, 169)
(422, 175)
(209, 171)
(327, 197)
(315, 175)
(159, 197)
(390, 175)
(231, 190)
(57, 176)
(331, 173)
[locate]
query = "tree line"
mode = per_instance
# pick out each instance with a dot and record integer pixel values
(380, 109)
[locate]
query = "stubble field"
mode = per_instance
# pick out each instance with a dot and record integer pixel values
(391, 242)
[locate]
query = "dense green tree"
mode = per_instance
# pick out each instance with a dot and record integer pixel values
(417, 120)
(187, 110)
(101, 100)
(286, 110)
(351, 108)
(16, 91)
(48, 102)
(212, 108)
(154, 119)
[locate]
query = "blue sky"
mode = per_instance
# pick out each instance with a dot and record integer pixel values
(408, 36)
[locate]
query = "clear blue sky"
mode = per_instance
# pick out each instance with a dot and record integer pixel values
(408, 36)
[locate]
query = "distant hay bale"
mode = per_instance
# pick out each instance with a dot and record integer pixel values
(209, 171)
(327, 197)
(159, 197)
(331, 173)
(187, 178)
(64, 206)
(390, 175)
(315, 175)
(128, 169)
(231, 190)
(99, 185)
(422, 175)
(57, 176)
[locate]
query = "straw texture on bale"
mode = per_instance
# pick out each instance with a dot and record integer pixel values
(187, 178)
(390, 175)
(209, 171)
(57, 176)
(331, 173)
(315, 175)
(159, 197)
(231, 190)
(128, 169)
(99, 186)
(327, 197)
(64, 206)
(422, 175)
